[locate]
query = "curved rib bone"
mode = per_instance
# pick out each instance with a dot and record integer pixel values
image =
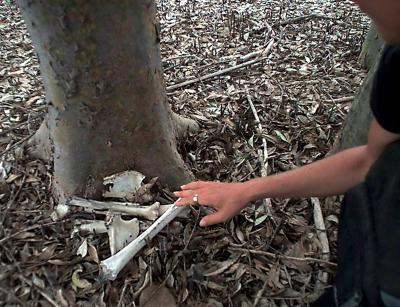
(113, 265)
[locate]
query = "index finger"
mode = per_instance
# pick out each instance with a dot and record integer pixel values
(193, 185)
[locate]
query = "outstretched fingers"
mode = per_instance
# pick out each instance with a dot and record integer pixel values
(212, 219)
(194, 185)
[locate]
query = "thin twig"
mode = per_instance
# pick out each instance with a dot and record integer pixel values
(44, 294)
(10, 203)
(178, 257)
(263, 154)
(223, 71)
(276, 256)
(276, 230)
(260, 293)
(302, 18)
(341, 100)
(32, 228)
(127, 281)
(16, 144)
(8, 292)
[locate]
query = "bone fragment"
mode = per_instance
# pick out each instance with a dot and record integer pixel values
(148, 212)
(113, 265)
(90, 226)
(123, 185)
(60, 212)
(121, 232)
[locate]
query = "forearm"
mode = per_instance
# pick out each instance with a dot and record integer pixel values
(330, 176)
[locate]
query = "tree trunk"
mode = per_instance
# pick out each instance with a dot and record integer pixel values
(355, 130)
(101, 65)
(372, 47)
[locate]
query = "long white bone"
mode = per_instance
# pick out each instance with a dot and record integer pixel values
(148, 212)
(114, 264)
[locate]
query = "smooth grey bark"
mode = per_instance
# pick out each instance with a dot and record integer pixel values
(372, 47)
(101, 66)
(356, 127)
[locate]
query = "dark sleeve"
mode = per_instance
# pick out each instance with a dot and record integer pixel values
(385, 96)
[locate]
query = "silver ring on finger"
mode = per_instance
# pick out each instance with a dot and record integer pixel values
(196, 199)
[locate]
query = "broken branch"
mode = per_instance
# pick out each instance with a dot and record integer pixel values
(321, 233)
(263, 154)
(276, 256)
(302, 18)
(341, 100)
(223, 71)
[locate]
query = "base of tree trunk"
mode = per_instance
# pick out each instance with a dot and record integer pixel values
(107, 106)
(40, 144)
(41, 147)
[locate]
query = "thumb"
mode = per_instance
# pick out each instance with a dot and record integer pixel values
(212, 219)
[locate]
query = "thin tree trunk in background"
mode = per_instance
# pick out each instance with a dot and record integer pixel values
(356, 127)
(372, 47)
(101, 65)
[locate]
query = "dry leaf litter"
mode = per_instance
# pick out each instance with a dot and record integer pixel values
(281, 106)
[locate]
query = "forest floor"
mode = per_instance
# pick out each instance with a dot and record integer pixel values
(301, 91)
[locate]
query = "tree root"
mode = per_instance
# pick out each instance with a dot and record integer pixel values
(184, 125)
(39, 146)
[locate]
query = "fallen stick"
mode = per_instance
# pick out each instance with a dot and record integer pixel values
(222, 72)
(276, 256)
(302, 18)
(251, 55)
(15, 234)
(289, 21)
(114, 264)
(21, 141)
(261, 52)
(261, 292)
(320, 226)
(323, 238)
(263, 154)
(46, 296)
(341, 100)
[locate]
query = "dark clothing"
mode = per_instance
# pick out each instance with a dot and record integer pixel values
(369, 234)
(385, 96)
(369, 239)
(369, 231)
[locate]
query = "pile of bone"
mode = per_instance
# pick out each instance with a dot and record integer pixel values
(123, 234)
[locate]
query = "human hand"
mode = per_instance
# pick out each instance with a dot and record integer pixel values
(228, 199)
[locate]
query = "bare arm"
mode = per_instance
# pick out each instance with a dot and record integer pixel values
(330, 176)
